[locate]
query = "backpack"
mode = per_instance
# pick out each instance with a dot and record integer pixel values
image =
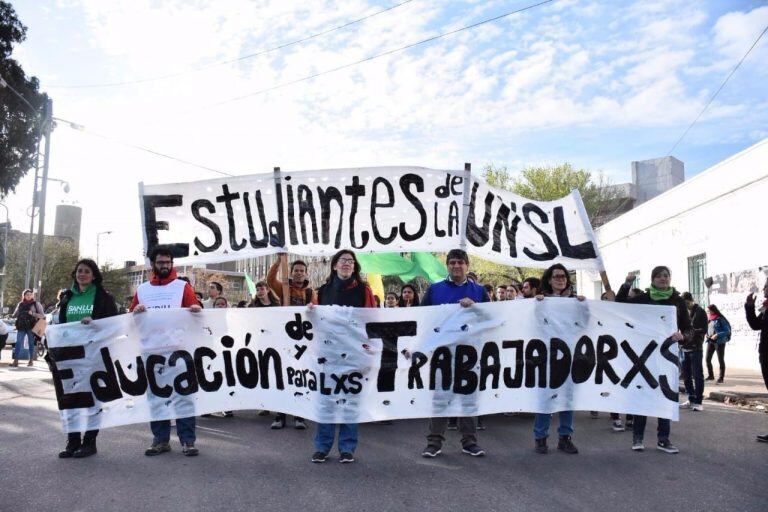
(728, 333)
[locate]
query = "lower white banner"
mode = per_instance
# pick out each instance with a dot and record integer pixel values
(348, 365)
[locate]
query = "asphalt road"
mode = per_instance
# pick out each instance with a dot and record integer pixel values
(245, 466)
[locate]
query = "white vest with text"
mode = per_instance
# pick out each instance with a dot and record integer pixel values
(168, 295)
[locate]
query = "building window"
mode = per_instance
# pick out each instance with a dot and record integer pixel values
(697, 271)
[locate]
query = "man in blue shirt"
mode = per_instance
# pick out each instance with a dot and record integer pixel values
(456, 288)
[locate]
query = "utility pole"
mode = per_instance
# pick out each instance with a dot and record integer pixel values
(47, 122)
(5, 260)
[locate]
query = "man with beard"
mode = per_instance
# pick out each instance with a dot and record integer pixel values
(166, 290)
(531, 287)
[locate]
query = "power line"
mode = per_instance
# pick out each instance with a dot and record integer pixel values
(230, 61)
(4, 83)
(370, 58)
(718, 91)
(80, 128)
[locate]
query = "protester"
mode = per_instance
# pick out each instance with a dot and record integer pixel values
(501, 292)
(408, 296)
(85, 301)
(221, 303)
(214, 292)
(344, 287)
(693, 373)
(511, 292)
(166, 290)
(556, 282)
(660, 293)
(27, 313)
(490, 291)
(456, 288)
(300, 293)
(265, 297)
(391, 300)
(718, 334)
(3, 337)
(531, 287)
(760, 323)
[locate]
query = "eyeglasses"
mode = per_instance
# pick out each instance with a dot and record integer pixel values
(452, 263)
(558, 276)
(167, 263)
(346, 260)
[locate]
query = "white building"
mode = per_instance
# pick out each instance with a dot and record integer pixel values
(710, 232)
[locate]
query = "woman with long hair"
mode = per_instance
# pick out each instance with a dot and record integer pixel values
(408, 296)
(84, 301)
(344, 287)
(556, 282)
(718, 334)
(264, 297)
(662, 293)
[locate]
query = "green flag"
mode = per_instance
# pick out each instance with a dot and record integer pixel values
(426, 266)
(384, 263)
(250, 284)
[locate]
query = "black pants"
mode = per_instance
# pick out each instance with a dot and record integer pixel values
(764, 367)
(88, 437)
(711, 347)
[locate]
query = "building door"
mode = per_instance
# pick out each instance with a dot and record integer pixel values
(697, 271)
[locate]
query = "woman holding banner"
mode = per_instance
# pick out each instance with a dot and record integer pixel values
(85, 301)
(264, 297)
(344, 287)
(556, 282)
(660, 293)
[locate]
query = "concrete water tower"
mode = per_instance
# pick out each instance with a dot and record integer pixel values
(67, 225)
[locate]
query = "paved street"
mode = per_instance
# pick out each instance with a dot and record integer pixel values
(245, 466)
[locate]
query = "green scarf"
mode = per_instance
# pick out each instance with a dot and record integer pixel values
(659, 295)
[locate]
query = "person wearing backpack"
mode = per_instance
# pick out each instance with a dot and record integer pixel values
(27, 313)
(718, 334)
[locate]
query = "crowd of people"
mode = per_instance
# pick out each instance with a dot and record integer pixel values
(87, 300)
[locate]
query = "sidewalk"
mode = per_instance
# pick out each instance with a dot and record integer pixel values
(741, 387)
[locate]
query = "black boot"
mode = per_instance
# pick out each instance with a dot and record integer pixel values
(72, 447)
(541, 445)
(86, 449)
(565, 444)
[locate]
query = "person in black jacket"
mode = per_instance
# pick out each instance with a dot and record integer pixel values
(693, 355)
(85, 301)
(661, 293)
(760, 323)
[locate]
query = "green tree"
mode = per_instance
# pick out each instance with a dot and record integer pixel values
(116, 282)
(19, 125)
(60, 256)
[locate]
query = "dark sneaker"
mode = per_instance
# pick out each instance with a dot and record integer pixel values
(719, 381)
(594, 415)
(85, 450)
(452, 424)
(666, 446)
(278, 424)
(189, 449)
(72, 447)
(228, 414)
(541, 445)
(299, 424)
(565, 444)
(319, 457)
(617, 426)
(430, 452)
(710, 378)
(346, 457)
(157, 449)
(263, 412)
(480, 424)
(473, 450)
(637, 444)
(761, 438)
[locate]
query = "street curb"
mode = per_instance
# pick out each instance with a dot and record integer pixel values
(729, 396)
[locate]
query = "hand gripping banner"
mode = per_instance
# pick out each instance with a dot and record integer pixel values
(346, 365)
(378, 209)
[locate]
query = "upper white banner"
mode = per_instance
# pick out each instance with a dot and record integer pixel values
(376, 209)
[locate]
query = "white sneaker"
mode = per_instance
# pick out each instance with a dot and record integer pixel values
(617, 426)
(686, 405)
(697, 407)
(637, 445)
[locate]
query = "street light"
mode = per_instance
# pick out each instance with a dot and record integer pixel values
(97, 244)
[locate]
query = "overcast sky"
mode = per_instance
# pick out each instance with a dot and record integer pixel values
(596, 84)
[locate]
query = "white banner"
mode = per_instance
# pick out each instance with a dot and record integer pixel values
(378, 209)
(347, 365)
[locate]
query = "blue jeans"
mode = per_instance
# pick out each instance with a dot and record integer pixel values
(542, 421)
(185, 428)
(663, 429)
(326, 432)
(20, 343)
(693, 376)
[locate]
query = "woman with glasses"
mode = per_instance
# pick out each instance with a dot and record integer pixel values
(344, 287)
(556, 282)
